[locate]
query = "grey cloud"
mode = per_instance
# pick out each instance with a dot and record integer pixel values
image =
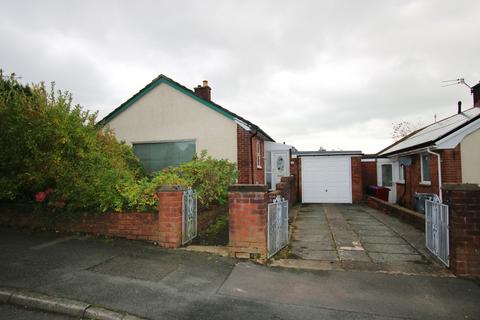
(310, 73)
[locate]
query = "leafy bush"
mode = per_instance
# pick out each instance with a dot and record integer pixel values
(209, 177)
(50, 146)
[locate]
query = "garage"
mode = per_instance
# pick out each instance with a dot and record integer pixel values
(326, 176)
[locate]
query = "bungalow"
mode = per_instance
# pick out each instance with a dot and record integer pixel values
(446, 151)
(167, 123)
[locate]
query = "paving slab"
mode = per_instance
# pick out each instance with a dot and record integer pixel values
(395, 257)
(382, 240)
(333, 232)
(313, 245)
(353, 255)
(389, 248)
(308, 254)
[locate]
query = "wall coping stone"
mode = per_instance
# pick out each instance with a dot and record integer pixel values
(461, 187)
(168, 188)
(248, 188)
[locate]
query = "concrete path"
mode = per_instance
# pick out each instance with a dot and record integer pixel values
(153, 283)
(361, 237)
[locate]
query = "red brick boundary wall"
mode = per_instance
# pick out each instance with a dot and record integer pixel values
(287, 188)
(463, 201)
(132, 225)
(248, 220)
(164, 226)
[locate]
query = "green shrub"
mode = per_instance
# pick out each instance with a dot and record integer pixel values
(209, 177)
(49, 144)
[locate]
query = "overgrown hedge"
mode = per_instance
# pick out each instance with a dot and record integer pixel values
(53, 153)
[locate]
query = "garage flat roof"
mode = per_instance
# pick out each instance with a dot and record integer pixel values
(326, 153)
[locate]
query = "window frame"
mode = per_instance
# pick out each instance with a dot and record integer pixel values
(193, 141)
(401, 173)
(259, 155)
(422, 180)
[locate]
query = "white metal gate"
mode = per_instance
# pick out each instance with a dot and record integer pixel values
(189, 215)
(277, 234)
(436, 230)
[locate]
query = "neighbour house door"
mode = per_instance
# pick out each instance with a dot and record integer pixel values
(326, 179)
(385, 177)
(280, 166)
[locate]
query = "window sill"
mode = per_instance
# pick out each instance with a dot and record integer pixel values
(259, 168)
(425, 183)
(400, 182)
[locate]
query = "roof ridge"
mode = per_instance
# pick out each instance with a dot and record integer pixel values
(154, 82)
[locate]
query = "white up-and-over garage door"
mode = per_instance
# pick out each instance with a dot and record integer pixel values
(326, 179)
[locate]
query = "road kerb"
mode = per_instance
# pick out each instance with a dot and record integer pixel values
(70, 307)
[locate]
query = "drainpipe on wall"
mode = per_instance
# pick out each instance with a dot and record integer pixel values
(439, 170)
(253, 160)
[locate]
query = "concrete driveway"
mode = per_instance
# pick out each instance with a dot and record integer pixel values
(358, 237)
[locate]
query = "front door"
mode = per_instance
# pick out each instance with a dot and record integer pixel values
(385, 177)
(280, 166)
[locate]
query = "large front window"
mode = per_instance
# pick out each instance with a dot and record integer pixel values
(425, 167)
(160, 155)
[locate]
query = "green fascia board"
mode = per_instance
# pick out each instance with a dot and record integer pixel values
(161, 79)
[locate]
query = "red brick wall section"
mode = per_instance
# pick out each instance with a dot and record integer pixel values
(248, 221)
(369, 174)
(170, 216)
(287, 188)
(245, 145)
(413, 179)
(357, 186)
(299, 179)
(451, 173)
(132, 225)
(463, 201)
(243, 156)
(259, 175)
(451, 165)
(295, 171)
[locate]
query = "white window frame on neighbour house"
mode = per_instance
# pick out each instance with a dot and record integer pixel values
(401, 173)
(422, 180)
(259, 155)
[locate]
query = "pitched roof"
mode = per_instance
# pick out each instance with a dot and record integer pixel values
(210, 104)
(427, 136)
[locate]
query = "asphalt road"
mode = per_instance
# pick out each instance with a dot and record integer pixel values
(145, 280)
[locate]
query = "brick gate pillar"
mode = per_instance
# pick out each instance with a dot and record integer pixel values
(463, 201)
(248, 220)
(170, 216)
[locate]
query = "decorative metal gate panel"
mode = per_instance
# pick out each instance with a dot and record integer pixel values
(277, 234)
(436, 230)
(189, 215)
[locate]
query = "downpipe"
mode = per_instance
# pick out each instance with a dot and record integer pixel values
(439, 170)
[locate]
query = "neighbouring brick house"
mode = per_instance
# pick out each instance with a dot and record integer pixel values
(446, 151)
(167, 123)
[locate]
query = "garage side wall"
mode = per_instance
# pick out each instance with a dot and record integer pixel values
(357, 184)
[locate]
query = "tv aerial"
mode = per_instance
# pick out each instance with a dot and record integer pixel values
(454, 82)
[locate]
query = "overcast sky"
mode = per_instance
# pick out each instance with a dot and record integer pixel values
(335, 74)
